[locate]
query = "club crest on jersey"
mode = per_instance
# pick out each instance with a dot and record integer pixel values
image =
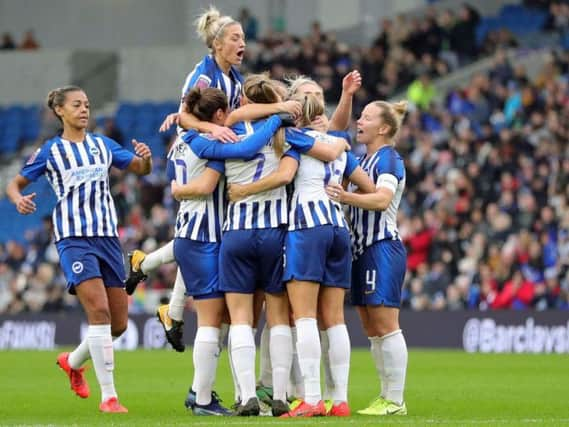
(203, 82)
(94, 151)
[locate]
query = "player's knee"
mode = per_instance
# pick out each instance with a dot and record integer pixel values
(118, 329)
(331, 318)
(99, 313)
(381, 330)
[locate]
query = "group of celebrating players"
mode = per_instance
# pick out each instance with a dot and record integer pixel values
(275, 211)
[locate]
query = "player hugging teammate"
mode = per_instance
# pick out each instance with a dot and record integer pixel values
(243, 240)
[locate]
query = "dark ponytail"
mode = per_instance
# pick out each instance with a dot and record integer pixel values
(56, 97)
(203, 103)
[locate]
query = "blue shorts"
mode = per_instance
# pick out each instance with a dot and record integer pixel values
(378, 274)
(320, 254)
(84, 258)
(199, 264)
(252, 259)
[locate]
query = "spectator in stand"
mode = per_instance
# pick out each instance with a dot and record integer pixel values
(422, 91)
(463, 34)
(29, 41)
(249, 23)
(111, 130)
(7, 42)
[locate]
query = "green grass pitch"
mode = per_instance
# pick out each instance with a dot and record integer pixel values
(443, 388)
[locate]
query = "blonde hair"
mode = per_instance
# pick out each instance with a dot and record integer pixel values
(211, 25)
(295, 82)
(260, 89)
(392, 114)
(312, 107)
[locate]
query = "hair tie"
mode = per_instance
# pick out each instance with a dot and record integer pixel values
(221, 27)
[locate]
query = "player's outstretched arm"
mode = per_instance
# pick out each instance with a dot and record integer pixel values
(341, 117)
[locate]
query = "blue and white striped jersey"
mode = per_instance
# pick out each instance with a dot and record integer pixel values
(386, 168)
(310, 206)
(208, 74)
(199, 218)
(79, 176)
(267, 209)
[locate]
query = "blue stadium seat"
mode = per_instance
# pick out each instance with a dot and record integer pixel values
(516, 18)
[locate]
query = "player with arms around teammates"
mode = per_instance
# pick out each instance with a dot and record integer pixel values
(380, 261)
(225, 39)
(200, 188)
(76, 164)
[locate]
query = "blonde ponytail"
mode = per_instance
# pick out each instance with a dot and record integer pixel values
(392, 114)
(312, 107)
(210, 25)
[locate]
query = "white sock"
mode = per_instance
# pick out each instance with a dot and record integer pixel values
(265, 363)
(296, 388)
(101, 348)
(395, 356)
(155, 259)
(309, 354)
(178, 298)
(243, 356)
(377, 355)
(80, 355)
(205, 357)
(339, 361)
(281, 359)
(328, 390)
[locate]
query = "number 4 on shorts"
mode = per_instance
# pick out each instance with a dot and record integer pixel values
(370, 281)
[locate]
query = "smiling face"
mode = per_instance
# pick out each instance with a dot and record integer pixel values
(369, 125)
(231, 46)
(75, 110)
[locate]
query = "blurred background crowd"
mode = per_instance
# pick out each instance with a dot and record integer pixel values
(485, 214)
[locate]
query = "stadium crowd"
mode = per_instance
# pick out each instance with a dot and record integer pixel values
(485, 215)
(404, 49)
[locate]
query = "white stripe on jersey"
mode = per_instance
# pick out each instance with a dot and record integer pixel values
(370, 226)
(79, 179)
(198, 218)
(263, 210)
(310, 205)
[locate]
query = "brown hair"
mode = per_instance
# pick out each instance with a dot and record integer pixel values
(210, 25)
(56, 97)
(260, 89)
(312, 107)
(203, 103)
(392, 114)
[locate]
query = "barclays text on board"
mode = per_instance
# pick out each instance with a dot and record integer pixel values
(484, 335)
(484, 332)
